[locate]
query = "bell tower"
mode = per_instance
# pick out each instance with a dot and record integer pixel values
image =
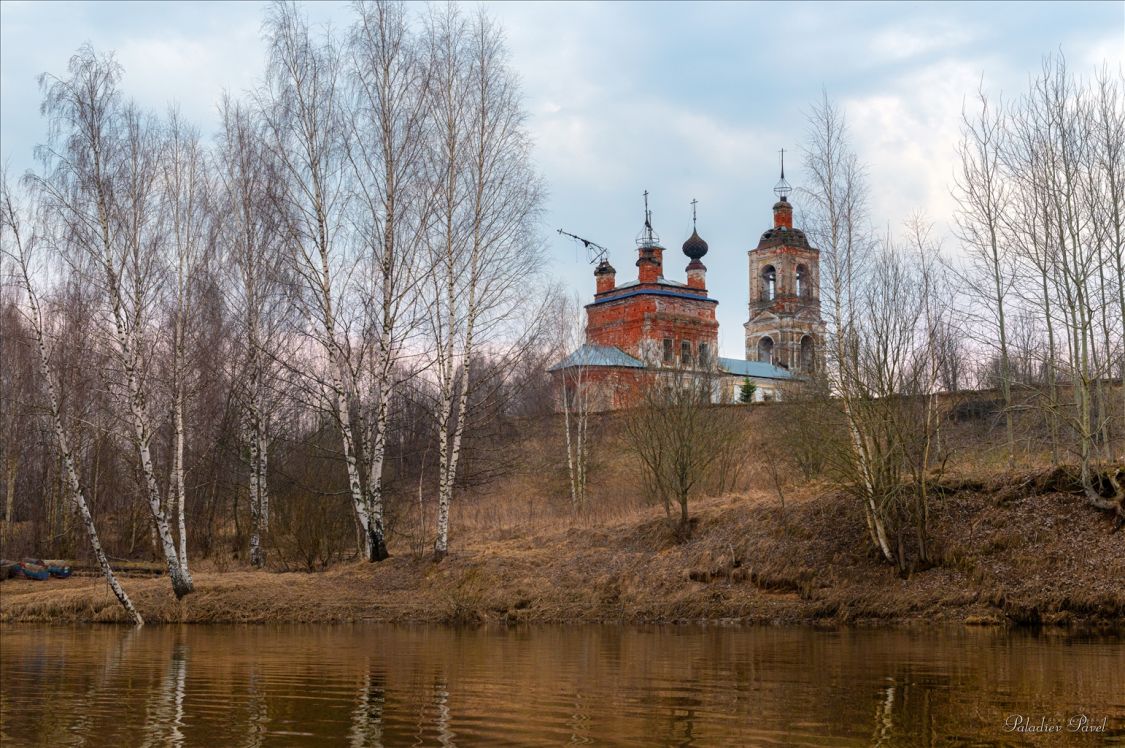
(784, 326)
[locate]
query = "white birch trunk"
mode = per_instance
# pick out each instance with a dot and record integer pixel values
(252, 442)
(376, 535)
(178, 492)
(73, 484)
(181, 585)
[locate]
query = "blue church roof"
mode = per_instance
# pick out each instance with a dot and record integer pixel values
(598, 355)
(753, 369)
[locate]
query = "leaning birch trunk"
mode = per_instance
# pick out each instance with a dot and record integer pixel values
(450, 145)
(142, 433)
(839, 195)
(181, 585)
(185, 186)
(104, 152)
(74, 486)
(487, 197)
(462, 401)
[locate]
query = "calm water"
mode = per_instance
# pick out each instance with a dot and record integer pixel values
(390, 685)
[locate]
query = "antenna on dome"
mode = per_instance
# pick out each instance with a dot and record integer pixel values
(595, 252)
(782, 188)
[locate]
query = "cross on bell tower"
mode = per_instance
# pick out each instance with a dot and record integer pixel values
(782, 188)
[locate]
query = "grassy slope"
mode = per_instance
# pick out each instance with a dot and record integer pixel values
(1010, 553)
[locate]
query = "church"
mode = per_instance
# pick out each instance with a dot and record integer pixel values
(652, 325)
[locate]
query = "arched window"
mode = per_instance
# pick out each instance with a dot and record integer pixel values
(765, 349)
(808, 354)
(769, 283)
(802, 281)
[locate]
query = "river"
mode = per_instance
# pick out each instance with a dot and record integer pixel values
(374, 685)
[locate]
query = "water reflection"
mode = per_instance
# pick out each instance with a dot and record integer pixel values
(388, 686)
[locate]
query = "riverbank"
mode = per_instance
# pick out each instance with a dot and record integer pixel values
(1014, 551)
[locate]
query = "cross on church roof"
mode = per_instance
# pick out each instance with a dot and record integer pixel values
(647, 237)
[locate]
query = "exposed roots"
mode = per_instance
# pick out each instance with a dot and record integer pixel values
(1114, 503)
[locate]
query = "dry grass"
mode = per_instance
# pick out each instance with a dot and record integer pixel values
(1044, 558)
(1012, 549)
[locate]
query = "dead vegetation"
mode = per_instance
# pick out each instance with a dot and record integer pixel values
(1033, 554)
(1010, 547)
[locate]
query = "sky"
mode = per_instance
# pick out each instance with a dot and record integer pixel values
(684, 100)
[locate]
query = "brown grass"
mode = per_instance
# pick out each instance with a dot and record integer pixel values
(1041, 557)
(1012, 549)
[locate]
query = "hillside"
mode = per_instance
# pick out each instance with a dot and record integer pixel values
(1013, 550)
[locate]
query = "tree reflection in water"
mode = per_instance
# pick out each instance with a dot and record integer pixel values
(390, 685)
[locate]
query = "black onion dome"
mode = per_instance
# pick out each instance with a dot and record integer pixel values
(695, 247)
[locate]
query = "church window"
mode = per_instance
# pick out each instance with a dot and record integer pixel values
(704, 355)
(802, 281)
(808, 354)
(668, 351)
(765, 349)
(685, 352)
(769, 282)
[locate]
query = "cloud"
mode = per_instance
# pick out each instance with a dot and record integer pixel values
(907, 134)
(192, 72)
(683, 100)
(901, 42)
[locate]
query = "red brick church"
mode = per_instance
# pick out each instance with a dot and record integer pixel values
(649, 326)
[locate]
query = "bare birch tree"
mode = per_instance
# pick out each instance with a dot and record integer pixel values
(250, 234)
(304, 109)
(983, 197)
(1061, 163)
(101, 187)
(1062, 115)
(837, 193)
(12, 227)
(185, 178)
(578, 396)
(486, 196)
(388, 121)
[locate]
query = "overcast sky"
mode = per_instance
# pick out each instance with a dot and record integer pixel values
(686, 100)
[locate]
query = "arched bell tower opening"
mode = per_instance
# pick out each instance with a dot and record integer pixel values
(784, 294)
(769, 283)
(808, 354)
(765, 349)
